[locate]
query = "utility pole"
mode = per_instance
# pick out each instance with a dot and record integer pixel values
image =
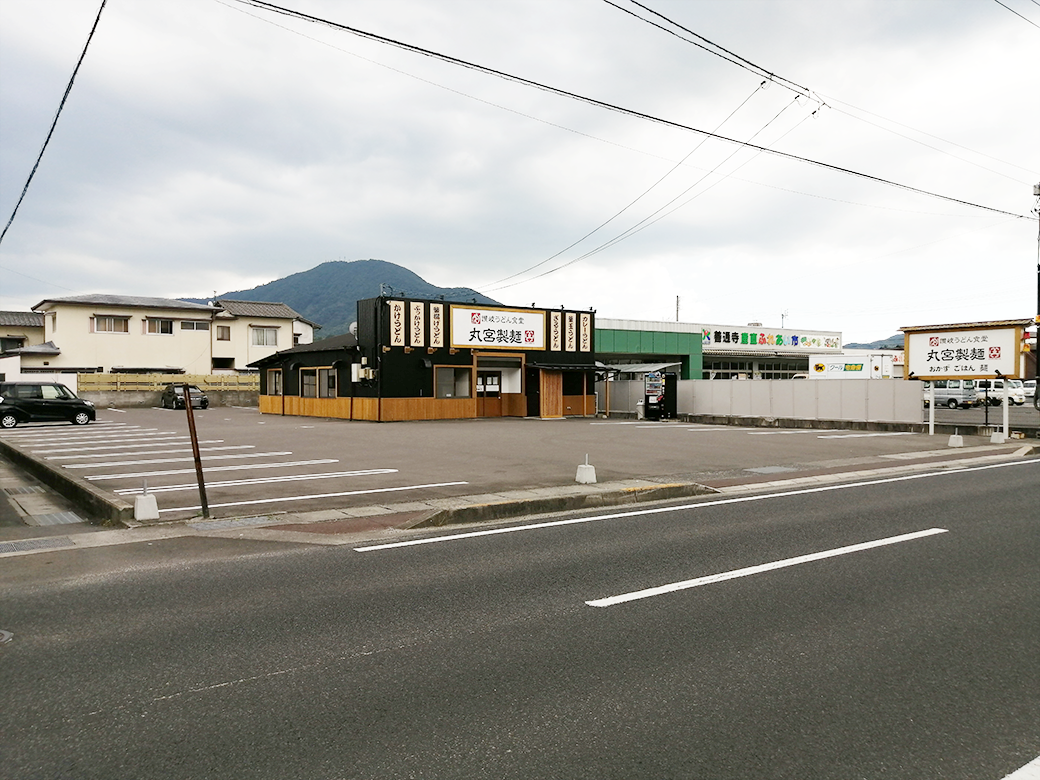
(676, 308)
(1036, 320)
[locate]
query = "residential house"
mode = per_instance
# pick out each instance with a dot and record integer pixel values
(20, 329)
(133, 334)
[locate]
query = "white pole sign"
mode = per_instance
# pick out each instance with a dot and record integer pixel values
(963, 353)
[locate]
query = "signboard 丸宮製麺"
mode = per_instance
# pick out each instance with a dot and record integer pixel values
(498, 328)
(963, 353)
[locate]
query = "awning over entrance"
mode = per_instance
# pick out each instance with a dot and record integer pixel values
(566, 366)
(636, 368)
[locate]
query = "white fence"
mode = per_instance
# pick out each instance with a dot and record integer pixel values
(881, 400)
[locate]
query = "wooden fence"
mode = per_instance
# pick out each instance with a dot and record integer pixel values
(98, 383)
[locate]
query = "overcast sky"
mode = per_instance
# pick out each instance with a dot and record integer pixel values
(209, 146)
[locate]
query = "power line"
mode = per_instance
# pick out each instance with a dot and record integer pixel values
(612, 107)
(1016, 13)
(493, 285)
(54, 124)
(799, 89)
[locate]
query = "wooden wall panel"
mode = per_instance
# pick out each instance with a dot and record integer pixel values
(270, 404)
(551, 394)
(318, 407)
(397, 409)
(514, 405)
(365, 409)
(572, 405)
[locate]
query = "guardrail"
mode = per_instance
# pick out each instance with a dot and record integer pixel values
(100, 383)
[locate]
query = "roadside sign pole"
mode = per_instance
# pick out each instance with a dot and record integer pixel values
(931, 409)
(195, 450)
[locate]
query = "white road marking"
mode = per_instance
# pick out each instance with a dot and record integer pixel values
(283, 499)
(761, 568)
(682, 507)
(258, 481)
(165, 452)
(171, 460)
(1030, 771)
(868, 435)
(114, 438)
(791, 433)
(209, 469)
(174, 440)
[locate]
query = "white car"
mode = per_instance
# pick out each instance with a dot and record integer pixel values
(995, 388)
(1029, 388)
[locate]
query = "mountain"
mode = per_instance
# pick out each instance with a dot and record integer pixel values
(892, 342)
(328, 294)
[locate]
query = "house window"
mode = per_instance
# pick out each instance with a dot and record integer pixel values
(194, 325)
(111, 324)
(265, 337)
(452, 382)
(223, 333)
(326, 383)
(163, 327)
(309, 383)
(274, 382)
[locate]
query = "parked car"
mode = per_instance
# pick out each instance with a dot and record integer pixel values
(173, 397)
(1029, 388)
(954, 393)
(39, 401)
(992, 391)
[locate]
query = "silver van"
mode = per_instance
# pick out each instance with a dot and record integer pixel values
(953, 393)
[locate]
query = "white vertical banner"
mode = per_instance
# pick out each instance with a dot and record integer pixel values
(397, 323)
(437, 325)
(555, 331)
(417, 324)
(572, 332)
(585, 334)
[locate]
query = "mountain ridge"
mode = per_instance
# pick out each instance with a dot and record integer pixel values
(328, 293)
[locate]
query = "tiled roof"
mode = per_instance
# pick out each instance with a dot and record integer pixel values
(21, 319)
(134, 301)
(260, 309)
(46, 348)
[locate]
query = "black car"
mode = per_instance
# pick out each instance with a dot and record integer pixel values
(173, 397)
(29, 401)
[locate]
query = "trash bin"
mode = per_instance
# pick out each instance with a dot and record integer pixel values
(639, 410)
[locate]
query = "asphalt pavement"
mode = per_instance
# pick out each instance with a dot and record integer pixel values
(885, 628)
(326, 481)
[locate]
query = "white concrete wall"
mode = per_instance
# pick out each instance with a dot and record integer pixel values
(890, 400)
(10, 368)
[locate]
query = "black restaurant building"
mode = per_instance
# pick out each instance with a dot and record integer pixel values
(410, 359)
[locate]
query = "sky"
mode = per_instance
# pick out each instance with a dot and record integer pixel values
(209, 146)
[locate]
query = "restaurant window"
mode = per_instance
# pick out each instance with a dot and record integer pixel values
(326, 383)
(309, 383)
(453, 382)
(274, 382)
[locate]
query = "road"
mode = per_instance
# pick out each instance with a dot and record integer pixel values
(506, 652)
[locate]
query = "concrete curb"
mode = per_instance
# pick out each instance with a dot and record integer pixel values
(482, 513)
(106, 509)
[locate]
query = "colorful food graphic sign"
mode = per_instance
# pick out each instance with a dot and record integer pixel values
(751, 340)
(497, 328)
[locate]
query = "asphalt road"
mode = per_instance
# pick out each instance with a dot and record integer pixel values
(478, 655)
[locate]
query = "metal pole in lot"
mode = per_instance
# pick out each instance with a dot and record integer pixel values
(195, 450)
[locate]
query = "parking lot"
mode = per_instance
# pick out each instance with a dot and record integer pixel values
(255, 464)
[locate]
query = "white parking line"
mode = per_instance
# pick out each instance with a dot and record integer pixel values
(868, 435)
(165, 452)
(258, 481)
(171, 460)
(761, 568)
(209, 469)
(1030, 771)
(792, 433)
(174, 440)
(284, 499)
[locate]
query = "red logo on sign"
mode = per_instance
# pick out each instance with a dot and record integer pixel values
(933, 341)
(994, 353)
(475, 318)
(529, 337)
